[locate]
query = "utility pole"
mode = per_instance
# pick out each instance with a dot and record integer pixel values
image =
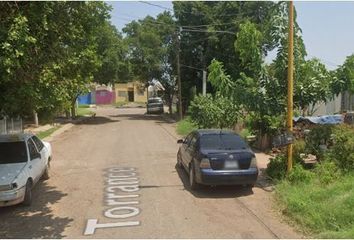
(179, 77)
(204, 82)
(290, 83)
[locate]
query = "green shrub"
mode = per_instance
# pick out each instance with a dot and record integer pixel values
(185, 126)
(342, 150)
(299, 175)
(327, 172)
(298, 148)
(276, 168)
(245, 133)
(213, 112)
(266, 124)
(319, 135)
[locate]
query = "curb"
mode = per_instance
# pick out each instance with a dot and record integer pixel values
(63, 128)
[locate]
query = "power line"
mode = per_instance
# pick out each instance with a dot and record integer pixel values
(156, 5)
(198, 13)
(192, 67)
(326, 61)
(183, 26)
(184, 29)
(192, 30)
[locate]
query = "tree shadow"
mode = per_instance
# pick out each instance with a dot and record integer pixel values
(98, 120)
(213, 192)
(36, 221)
(143, 117)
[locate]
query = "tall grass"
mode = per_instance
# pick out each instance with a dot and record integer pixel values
(323, 210)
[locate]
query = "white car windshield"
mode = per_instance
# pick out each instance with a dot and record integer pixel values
(13, 152)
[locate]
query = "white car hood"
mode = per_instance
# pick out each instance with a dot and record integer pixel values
(8, 172)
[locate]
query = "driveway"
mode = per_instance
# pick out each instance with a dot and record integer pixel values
(115, 176)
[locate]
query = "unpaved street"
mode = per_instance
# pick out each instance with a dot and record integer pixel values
(143, 147)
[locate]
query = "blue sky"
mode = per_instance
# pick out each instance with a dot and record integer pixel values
(327, 27)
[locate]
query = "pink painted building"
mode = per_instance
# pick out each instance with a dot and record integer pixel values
(105, 97)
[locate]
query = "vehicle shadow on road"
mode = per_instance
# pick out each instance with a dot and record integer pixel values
(36, 221)
(213, 192)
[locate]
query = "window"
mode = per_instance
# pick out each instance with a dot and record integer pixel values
(38, 143)
(222, 142)
(193, 143)
(32, 150)
(13, 152)
(103, 93)
(122, 94)
(188, 139)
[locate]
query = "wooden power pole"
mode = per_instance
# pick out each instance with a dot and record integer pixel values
(290, 83)
(180, 110)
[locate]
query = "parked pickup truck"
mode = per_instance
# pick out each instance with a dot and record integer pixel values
(24, 159)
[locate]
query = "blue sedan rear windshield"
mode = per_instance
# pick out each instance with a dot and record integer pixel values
(222, 142)
(13, 152)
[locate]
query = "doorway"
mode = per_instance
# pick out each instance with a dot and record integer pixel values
(131, 94)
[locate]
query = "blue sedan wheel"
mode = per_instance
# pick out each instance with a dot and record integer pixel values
(192, 182)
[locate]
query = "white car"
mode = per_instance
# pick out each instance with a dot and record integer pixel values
(24, 159)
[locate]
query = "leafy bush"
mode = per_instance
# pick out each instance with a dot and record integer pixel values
(264, 125)
(319, 135)
(327, 172)
(245, 133)
(276, 168)
(298, 148)
(213, 112)
(342, 150)
(299, 175)
(185, 126)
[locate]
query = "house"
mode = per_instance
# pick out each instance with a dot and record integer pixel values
(130, 92)
(341, 103)
(85, 99)
(104, 94)
(99, 94)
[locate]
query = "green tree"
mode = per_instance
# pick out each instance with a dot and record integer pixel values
(209, 31)
(314, 85)
(344, 80)
(112, 54)
(144, 49)
(49, 54)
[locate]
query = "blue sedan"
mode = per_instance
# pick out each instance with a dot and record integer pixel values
(217, 157)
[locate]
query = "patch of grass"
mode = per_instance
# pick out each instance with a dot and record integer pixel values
(84, 105)
(142, 103)
(185, 126)
(322, 210)
(47, 133)
(120, 104)
(83, 111)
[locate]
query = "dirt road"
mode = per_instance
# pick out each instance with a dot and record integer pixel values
(124, 147)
